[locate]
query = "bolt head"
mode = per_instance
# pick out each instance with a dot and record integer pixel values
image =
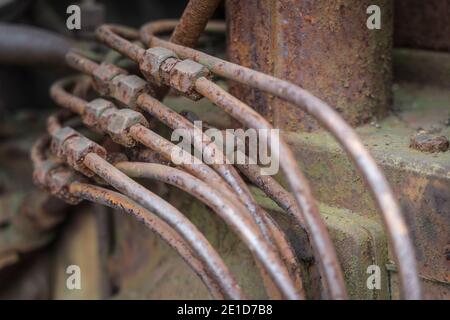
(183, 76)
(427, 142)
(59, 138)
(120, 124)
(94, 111)
(76, 148)
(59, 182)
(41, 173)
(128, 88)
(152, 61)
(103, 76)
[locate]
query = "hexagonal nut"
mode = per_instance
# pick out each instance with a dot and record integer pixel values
(184, 75)
(76, 148)
(105, 117)
(58, 139)
(94, 110)
(59, 182)
(42, 172)
(103, 75)
(151, 62)
(120, 124)
(128, 88)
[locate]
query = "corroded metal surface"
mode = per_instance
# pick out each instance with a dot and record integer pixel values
(322, 46)
(237, 205)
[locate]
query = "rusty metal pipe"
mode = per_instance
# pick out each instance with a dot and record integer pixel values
(188, 162)
(209, 150)
(273, 190)
(168, 25)
(298, 183)
(269, 186)
(384, 197)
(53, 124)
(38, 155)
(141, 134)
(231, 213)
(74, 60)
(116, 36)
(38, 149)
(171, 216)
(176, 121)
(172, 119)
(120, 202)
(266, 183)
(111, 36)
(271, 231)
(193, 21)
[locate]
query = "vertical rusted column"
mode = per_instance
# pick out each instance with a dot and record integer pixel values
(193, 22)
(323, 46)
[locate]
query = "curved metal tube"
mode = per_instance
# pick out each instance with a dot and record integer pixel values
(229, 212)
(210, 151)
(298, 183)
(206, 174)
(38, 148)
(63, 98)
(174, 120)
(270, 187)
(331, 120)
(171, 216)
(108, 34)
(120, 202)
(53, 124)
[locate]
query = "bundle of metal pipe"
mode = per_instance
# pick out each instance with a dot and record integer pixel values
(167, 64)
(241, 222)
(321, 242)
(171, 225)
(332, 121)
